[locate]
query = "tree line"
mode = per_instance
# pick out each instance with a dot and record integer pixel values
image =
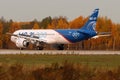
(104, 24)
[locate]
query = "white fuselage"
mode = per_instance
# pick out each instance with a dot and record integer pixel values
(48, 36)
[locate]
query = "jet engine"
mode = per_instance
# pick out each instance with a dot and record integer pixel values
(22, 43)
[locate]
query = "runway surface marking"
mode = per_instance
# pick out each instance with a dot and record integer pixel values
(81, 52)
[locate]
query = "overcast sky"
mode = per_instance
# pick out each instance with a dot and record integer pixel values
(27, 10)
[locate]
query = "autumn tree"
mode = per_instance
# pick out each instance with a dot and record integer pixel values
(26, 25)
(104, 24)
(115, 37)
(62, 23)
(54, 23)
(45, 22)
(1, 36)
(1, 28)
(14, 26)
(59, 23)
(36, 26)
(77, 23)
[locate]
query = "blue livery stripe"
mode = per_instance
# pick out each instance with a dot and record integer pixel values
(60, 33)
(87, 31)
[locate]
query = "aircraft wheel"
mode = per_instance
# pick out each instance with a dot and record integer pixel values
(39, 48)
(61, 47)
(21, 48)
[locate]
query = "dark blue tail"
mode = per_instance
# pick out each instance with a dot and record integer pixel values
(89, 27)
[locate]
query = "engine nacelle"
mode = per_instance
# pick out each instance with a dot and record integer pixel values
(22, 43)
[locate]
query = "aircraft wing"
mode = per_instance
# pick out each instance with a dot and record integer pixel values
(11, 34)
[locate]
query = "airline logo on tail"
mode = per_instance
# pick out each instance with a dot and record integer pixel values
(89, 27)
(93, 19)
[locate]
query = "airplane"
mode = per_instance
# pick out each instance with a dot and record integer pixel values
(58, 37)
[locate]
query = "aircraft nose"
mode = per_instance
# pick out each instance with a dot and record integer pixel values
(13, 39)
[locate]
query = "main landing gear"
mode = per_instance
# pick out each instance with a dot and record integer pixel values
(40, 45)
(59, 46)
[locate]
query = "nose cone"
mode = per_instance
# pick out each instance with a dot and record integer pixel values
(13, 38)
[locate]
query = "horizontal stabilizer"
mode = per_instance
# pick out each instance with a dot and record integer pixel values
(102, 34)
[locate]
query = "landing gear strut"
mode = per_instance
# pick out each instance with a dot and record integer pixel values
(59, 46)
(39, 45)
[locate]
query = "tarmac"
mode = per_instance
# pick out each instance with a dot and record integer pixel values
(79, 52)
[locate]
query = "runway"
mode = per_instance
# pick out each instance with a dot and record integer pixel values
(80, 52)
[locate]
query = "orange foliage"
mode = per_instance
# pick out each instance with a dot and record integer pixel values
(62, 24)
(36, 26)
(14, 26)
(1, 28)
(58, 23)
(77, 23)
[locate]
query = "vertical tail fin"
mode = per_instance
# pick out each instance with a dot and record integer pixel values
(91, 23)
